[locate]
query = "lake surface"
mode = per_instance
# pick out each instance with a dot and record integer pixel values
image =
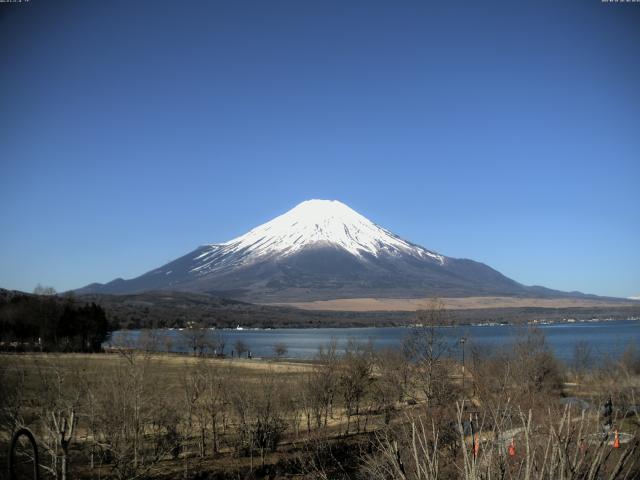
(606, 338)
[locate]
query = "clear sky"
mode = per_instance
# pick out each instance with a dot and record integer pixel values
(506, 132)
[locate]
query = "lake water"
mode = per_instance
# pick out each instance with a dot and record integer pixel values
(606, 338)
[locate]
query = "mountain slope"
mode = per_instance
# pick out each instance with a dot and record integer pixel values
(322, 250)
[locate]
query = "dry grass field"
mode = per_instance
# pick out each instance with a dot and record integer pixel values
(466, 303)
(380, 415)
(168, 370)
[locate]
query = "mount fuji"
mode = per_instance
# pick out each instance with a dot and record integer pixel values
(322, 250)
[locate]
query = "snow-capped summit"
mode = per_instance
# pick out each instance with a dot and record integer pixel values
(315, 223)
(321, 249)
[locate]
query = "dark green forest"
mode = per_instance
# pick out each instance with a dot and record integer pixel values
(51, 323)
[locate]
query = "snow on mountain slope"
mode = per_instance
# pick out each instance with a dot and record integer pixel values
(310, 223)
(322, 250)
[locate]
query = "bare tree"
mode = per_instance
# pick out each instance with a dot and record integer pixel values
(536, 372)
(279, 350)
(493, 382)
(148, 340)
(216, 343)
(127, 404)
(408, 454)
(61, 393)
(205, 388)
(425, 348)
(215, 400)
(168, 344)
(12, 392)
(581, 357)
(391, 382)
(44, 290)
(241, 347)
(565, 448)
(355, 378)
(630, 359)
(195, 338)
(195, 388)
(319, 387)
(241, 402)
(620, 380)
(260, 416)
(269, 424)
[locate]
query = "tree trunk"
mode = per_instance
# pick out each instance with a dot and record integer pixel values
(214, 427)
(54, 464)
(63, 466)
(348, 422)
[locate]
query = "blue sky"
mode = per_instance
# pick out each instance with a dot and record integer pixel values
(505, 132)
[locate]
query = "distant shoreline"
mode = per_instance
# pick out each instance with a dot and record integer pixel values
(533, 323)
(607, 338)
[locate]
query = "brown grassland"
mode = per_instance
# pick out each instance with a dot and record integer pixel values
(410, 414)
(454, 303)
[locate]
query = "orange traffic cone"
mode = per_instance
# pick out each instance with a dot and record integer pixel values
(512, 448)
(616, 440)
